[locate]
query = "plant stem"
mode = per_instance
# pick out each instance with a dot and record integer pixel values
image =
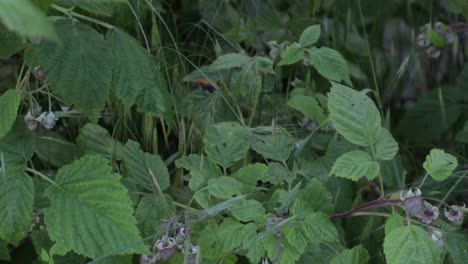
(382, 191)
(372, 204)
(424, 179)
(74, 14)
(42, 176)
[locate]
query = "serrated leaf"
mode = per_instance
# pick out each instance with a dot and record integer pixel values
(90, 211)
(289, 254)
(439, 164)
(330, 64)
(247, 210)
(386, 147)
(135, 78)
(55, 149)
(410, 244)
(228, 61)
(96, 140)
(201, 170)
(251, 174)
(393, 222)
(309, 106)
(251, 243)
(11, 43)
(455, 242)
(313, 198)
(310, 35)
(4, 251)
(209, 242)
(230, 234)
(278, 174)
(225, 187)
(292, 54)
(354, 165)
(151, 211)
(143, 166)
(16, 204)
(314, 227)
(18, 145)
(276, 146)
(356, 255)
(226, 143)
(354, 115)
(79, 68)
(23, 17)
(9, 103)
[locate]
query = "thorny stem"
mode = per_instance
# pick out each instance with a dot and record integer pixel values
(372, 204)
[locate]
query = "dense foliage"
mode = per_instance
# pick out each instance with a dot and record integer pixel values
(216, 131)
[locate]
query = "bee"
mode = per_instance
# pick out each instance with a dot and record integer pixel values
(205, 85)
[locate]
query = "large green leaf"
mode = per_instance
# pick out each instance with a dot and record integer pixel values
(276, 146)
(292, 54)
(16, 204)
(330, 64)
(135, 78)
(309, 106)
(230, 234)
(439, 164)
(251, 174)
(289, 254)
(151, 211)
(79, 70)
(356, 255)
(143, 166)
(201, 170)
(11, 43)
(55, 149)
(247, 210)
(96, 140)
(356, 164)
(354, 115)
(18, 145)
(310, 35)
(23, 17)
(90, 211)
(226, 143)
(456, 243)
(9, 103)
(386, 147)
(313, 198)
(225, 187)
(230, 60)
(393, 222)
(251, 243)
(410, 244)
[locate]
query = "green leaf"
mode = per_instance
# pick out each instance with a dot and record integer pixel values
(230, 234)
(393, 222)
(313, 198)
(330, 64)
(96, 140)
(55, 149)
(225, 187)
(278, 174)
(201, 170)
(276, 146)
(18, 145)
(252, 243)
(228, 61)
(16, 203)
(135, 78)
(209, 242)
(247, 210)
(439, 164)
(410, 244)
(251, 174)
(226, 143)
(4, 251)
(354, 115)
(314, 227)
(9, 103)
(462, 136)
(386, 147)
(151, 211)
(310, 35)
(309, 106)
(292, 54)
(90, 211)
(289, 254)
(143, 166)
(456, 243)
(11, 43)
(356, 255)
(354, 165)
(23, 17)
(81, 67)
